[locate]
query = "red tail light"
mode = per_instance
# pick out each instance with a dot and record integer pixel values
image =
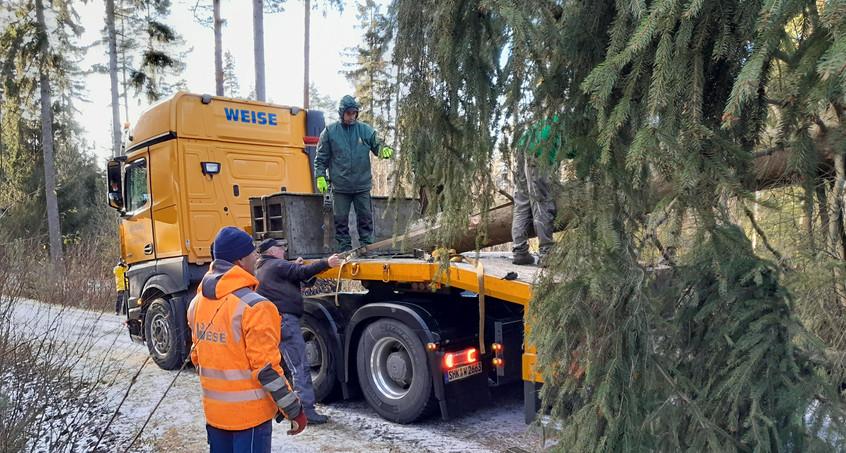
(454, 359)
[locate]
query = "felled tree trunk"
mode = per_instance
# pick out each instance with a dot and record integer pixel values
(771, 170)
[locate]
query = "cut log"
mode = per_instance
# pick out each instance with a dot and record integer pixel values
(772, 169)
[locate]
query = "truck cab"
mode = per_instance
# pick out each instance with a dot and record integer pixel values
(190, 166)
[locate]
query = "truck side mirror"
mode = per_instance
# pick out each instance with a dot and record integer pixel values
(115, 196)
(115, 200)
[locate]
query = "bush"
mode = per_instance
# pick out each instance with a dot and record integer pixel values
(83, 280)
(50, 397)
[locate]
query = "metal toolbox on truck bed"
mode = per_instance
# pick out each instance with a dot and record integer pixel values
(299, 219)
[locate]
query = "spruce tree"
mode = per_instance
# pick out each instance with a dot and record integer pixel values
(162, 50)
(448, 61)
(662, 108)
(26, 62)
(231, 87)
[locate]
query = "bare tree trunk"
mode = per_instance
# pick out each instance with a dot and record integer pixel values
(218, 49)
(53, 227)
(113, 77)
(835, 226)
(807, 219)
(822, 205)
(258, 47)
(123, 66)
(306, 50)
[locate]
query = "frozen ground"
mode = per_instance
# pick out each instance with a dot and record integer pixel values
(178, 423)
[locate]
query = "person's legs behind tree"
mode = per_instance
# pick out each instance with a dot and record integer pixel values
(543, 207)
(363, 204)
(293, 349)
(522, 215)
(341, 211)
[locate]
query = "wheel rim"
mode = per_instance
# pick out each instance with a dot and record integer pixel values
(314, 352)
(391, 368)
(160, 334)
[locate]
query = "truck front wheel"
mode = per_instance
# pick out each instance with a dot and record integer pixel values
(393, 372)
(321, 357)
(161, 334)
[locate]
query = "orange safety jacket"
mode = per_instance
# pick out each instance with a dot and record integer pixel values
(236, 336)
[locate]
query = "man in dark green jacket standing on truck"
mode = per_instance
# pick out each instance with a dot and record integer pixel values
(343, 159)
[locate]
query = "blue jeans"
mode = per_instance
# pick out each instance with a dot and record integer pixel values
(255, 439)
(293, 349)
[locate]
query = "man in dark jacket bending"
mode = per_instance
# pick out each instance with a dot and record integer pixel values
(279, 281)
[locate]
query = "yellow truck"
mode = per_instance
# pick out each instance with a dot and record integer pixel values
(191, 164)
(422, 337)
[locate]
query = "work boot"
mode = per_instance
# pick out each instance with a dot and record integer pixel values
(523, 259)
(314, 418)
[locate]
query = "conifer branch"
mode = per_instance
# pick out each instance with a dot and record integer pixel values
(751, 216)
(698, 411)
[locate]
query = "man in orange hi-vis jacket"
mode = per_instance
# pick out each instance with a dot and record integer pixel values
(236, 337)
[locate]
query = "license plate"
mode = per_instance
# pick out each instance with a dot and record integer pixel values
(463, 372)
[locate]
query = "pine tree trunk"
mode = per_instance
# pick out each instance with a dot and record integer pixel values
(306, 50)
(258, 47)
(807, 220)
(218, 49)
(123, 65)
(835, 226)
(113, 76)
(53, 227)
(822, 206)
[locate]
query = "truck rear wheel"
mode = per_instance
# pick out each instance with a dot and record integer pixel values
(161, 334)
(321, 357)
(393, 372)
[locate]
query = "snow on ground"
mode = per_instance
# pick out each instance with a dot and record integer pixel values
(178, 423)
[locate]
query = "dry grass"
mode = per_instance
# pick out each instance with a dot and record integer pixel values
(49, 401)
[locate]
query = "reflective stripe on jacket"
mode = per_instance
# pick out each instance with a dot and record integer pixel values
(236, 333)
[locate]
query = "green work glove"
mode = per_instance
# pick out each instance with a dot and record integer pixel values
(386, 152)
(321, 184)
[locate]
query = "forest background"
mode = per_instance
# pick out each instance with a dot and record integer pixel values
(704, 137)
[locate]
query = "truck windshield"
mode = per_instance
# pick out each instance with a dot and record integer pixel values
(136, 185)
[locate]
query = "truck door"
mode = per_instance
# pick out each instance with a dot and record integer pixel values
(137, 220)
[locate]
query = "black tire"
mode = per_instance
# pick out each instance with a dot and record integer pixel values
(393, 372)
(162, 335)
(322, 360)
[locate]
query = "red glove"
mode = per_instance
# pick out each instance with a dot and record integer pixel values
(298, 424)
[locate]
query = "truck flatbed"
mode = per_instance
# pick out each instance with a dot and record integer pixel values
(464, 275)
(495, 266)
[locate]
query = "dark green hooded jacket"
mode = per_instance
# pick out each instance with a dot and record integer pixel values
(344, 151)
